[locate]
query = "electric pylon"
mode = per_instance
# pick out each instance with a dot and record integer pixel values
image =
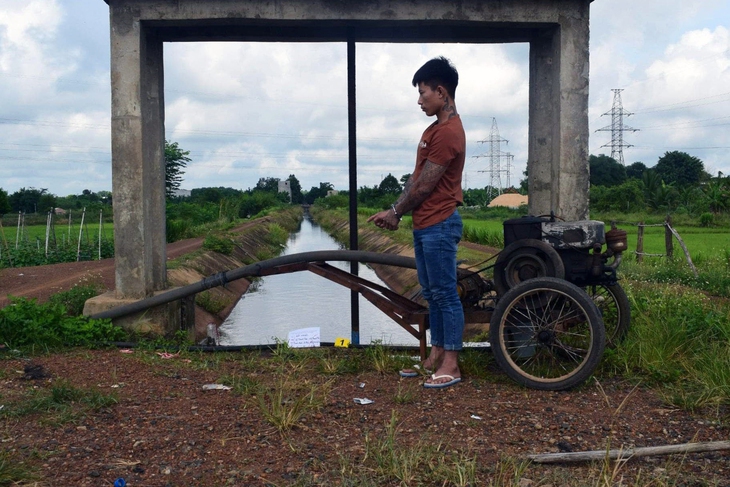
(499, 162)
(617, 128)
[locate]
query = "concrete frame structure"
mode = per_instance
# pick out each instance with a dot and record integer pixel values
(556, 30)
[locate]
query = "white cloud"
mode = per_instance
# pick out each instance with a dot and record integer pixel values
(679, 100)
(248, 110)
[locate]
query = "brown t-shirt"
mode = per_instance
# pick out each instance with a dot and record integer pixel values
(443, 144)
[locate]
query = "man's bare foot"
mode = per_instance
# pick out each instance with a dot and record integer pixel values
(427, 366)
(440, 381)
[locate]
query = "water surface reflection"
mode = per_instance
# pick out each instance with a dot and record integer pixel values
(279, 304)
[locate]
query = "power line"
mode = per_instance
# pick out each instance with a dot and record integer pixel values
(617, 128)
(496, 156)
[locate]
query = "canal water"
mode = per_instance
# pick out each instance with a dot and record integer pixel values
(276, 305)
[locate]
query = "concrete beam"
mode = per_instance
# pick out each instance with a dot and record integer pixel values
(557, 163)
(138, 167)
(558, 126)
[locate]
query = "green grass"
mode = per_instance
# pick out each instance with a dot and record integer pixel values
(13, 471)
(28, 325)
(679, 343)
(61, 232)
(61, 403)
(699, 240)
(484, 232)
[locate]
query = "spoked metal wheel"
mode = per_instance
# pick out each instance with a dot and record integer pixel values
(526, 259)
(547, 334)
(613, 304)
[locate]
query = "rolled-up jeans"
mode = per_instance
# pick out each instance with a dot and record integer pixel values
(435, 248)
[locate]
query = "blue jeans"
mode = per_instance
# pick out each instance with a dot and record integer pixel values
(435, 248)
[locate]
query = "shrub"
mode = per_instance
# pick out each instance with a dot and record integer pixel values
(24, 323)
(212, 303)
(75, 298)
(219, 244)
(706, 219)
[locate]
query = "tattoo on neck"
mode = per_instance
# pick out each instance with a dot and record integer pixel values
(449, 107)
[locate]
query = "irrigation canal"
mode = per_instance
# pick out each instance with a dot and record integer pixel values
(278, 304)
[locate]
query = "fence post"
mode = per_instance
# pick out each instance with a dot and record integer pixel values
(668, 236)
(640, 243)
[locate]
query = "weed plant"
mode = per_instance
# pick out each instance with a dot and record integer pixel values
(380, 359)
(679, 341)
(14, 471)
(25, 324)
(483, 236)
(211, 302)
(33, 253)
(423, 463)
(290, 399)
(277, 235)
(63, 400)
(75, 298)
(713, 272)
(218, 243)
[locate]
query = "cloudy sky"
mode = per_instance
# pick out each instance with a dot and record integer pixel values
(247, 110)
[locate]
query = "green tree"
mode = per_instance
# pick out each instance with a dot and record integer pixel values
(213, 195)
(175, 161)
(606, 171)
(690, 198)
(652, 182)
(626, 197)
(369, 197)
(390, 185)
(524, 183)
(270, 185)
(664, 197)
(4, 202)
(475, 197)
(680, 169)
(296, 190)
(47, 202)
(635, 170)
(28, 200)
(404, 179)
(717, 194)
(318, 192)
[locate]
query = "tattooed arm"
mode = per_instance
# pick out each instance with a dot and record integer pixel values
(414, 193)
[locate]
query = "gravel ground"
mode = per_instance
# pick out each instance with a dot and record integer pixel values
(164, 429)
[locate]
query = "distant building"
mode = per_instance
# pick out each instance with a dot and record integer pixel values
(284, 187)
(184, 193)
(59, 211)
(332, 192)
(510, 200)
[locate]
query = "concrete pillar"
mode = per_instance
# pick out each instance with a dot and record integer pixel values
(558, 130)
(138, 167)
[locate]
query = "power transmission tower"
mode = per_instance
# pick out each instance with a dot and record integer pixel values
(617, 128)
(499, 162)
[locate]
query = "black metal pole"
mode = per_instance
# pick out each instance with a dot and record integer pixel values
(352, 146)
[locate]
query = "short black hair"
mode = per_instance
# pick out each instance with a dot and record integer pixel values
(438, 71)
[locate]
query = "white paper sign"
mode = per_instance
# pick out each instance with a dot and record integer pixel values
(304, 338)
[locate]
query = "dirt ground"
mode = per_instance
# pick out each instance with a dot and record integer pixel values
(165, 430)
(40, 282)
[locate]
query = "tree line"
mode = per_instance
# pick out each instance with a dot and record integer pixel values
(678, 183)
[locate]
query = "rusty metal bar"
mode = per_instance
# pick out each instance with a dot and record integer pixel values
(400, 309)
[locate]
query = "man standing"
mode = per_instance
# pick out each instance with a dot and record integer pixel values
(433, 192)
